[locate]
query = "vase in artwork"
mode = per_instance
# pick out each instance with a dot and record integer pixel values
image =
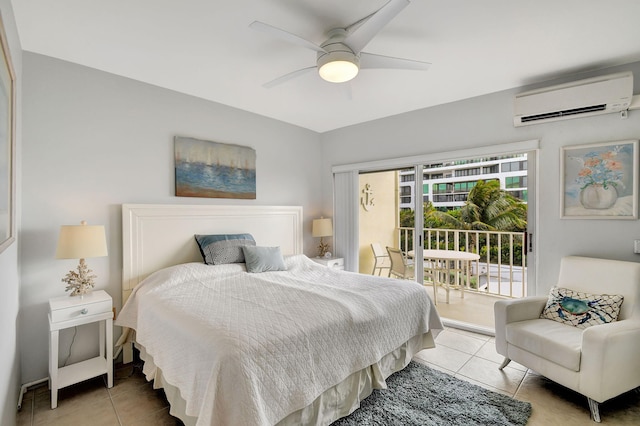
(598, 196)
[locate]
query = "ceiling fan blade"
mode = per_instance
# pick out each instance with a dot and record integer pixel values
(284, 35)
(362, 35)
(286, 77)
(369, 60)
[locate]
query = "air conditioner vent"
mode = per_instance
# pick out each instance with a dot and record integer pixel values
(558, 114)
(593, 96)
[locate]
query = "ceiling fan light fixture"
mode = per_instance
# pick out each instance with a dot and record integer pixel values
(338, 67)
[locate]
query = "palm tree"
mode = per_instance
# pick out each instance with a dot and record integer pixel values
(491, 208)
(434, 218)
(488, 208)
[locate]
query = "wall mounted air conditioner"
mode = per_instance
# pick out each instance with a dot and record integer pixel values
(593, 96)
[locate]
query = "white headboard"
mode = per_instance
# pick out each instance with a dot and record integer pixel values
(156, 236)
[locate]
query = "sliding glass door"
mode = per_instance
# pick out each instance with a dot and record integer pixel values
(384, 225)
(436, 203)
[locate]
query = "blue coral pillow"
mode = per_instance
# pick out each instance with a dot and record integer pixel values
(223, 248)
(581, 310)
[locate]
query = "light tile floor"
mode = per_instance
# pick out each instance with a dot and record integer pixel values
(472, 357)
(474, 308)
(468, 356)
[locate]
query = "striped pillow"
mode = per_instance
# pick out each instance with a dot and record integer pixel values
(223, 248)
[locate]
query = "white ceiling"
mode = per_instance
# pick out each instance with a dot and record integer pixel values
(205, 48)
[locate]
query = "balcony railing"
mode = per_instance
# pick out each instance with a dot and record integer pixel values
(501, 269)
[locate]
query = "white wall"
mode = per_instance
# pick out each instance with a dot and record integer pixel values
(487, 120)
(94, 141)
(9, 272)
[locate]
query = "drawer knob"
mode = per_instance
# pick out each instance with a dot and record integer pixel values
(84, 311)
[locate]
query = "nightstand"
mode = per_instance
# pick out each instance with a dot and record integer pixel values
(330, 262)
(72, 311)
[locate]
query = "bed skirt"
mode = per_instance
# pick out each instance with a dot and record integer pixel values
(334, 403)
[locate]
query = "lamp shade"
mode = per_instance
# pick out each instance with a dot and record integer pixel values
(322, 228)
(81, 241)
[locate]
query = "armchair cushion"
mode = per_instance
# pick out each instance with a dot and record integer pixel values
(581, 309)
(555, 342)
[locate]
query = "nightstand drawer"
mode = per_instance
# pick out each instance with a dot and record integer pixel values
(80, 311)
(331, 262)
(335, 263)
(67, 308)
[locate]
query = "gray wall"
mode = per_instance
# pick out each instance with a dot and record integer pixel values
(487, 120)
(9, 272)
(94, 141)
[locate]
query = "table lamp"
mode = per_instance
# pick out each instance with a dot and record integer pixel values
(322, 228)
(79, 242)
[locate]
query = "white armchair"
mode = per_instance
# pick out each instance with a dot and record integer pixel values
(599, 362)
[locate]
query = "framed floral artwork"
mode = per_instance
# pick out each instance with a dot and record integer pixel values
(599, 181)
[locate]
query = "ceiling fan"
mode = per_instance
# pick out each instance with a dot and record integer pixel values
(340, 57)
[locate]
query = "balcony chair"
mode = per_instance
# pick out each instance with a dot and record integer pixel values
(400, 266)
(601, 361)
(381, 259)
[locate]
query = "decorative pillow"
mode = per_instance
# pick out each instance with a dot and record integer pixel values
(581, 310)
(263, 259)
(224, 248)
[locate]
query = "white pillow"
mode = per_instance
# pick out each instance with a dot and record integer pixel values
(263, 259)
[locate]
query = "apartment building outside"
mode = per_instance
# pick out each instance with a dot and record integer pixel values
(447, 184)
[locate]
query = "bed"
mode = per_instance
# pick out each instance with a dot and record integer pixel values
(300, 345)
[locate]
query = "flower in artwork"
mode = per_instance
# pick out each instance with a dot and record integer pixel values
(601, 168)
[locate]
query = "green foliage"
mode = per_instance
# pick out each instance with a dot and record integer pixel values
(488, 208)
(505, 255)
(407, 218)
(491, 208)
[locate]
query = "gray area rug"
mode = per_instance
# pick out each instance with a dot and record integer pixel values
(419, 395)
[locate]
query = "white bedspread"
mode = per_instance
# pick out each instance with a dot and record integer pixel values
(248, 349)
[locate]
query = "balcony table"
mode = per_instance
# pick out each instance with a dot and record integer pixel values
(444, 262)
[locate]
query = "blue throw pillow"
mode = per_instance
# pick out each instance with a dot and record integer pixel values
(223, 248)
(263, 259)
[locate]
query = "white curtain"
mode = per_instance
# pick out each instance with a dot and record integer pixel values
(345, 218)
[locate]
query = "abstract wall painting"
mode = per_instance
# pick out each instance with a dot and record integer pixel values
(600, 181)
(214, 170)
